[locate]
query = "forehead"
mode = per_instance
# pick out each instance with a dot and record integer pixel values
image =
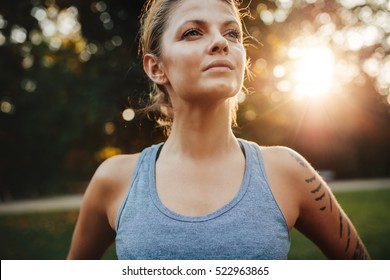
(205, 10)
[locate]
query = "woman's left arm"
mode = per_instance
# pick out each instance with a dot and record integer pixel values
(321, 217)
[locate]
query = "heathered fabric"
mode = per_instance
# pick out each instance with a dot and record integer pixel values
(250, 226)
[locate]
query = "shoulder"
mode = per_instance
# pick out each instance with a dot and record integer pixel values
(113, 168)
(287, 173)
(110, 181)
(99, 205)
(284, 160)
(274, 152)
(287, 161)
(113, 175)
(108, 186)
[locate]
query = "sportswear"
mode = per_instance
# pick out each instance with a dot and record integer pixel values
(250, 226)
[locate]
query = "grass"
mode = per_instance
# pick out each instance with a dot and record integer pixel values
(44, 236)
(38, 236)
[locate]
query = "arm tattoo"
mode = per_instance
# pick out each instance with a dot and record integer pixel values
(349, 237)
(341, 224)
(319, 194)
(360, 252)
(298, 159)
(320, 197)
(317, 189)
(311, 179)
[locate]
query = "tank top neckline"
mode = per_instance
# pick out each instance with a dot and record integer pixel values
(225, 208)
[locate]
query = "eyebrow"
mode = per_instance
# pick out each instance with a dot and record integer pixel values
(204, 23)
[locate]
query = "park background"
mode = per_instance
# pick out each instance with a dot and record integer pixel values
(72, 84)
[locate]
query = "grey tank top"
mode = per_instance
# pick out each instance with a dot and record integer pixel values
(250, 226)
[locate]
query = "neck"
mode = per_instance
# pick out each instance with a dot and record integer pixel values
(201, 132)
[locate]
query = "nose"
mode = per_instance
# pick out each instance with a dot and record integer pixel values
(219, 44)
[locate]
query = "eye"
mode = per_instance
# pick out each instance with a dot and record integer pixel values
(234, 33)
(193, 32)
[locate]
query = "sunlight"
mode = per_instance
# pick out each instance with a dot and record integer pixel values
(313, 72)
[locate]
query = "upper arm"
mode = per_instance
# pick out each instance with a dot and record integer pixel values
(94, 231)
(321, 217)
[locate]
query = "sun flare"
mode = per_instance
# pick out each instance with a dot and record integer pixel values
(313, 72)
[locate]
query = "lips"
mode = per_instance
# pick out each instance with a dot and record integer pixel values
(219, 64)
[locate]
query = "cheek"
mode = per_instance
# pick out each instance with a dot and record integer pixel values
(242, 58)
(182, 63)
(183, 58)
(241, 62)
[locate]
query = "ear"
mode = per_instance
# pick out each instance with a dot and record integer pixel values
(154, 70)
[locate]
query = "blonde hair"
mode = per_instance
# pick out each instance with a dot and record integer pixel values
(154, 18)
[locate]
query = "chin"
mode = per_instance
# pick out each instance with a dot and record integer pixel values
(224, 90)
(211, 95)
(217, 91)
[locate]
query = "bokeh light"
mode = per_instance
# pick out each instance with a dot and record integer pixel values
(107, 152)
(128, 114)
(18, 34)
(109, 128)
(6, 106)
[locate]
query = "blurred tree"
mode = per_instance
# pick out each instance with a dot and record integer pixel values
(322, 82)
(69, 69)
(71, 83)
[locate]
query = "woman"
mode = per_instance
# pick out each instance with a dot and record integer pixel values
(204, 194)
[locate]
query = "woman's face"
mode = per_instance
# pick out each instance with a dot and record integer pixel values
(203, 57)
